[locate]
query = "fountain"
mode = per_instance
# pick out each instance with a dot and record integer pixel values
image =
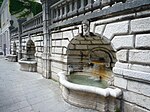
(89, 80)
(91, 87)
(28, 62)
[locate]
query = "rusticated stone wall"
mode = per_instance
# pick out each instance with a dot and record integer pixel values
(128, 33)
(130, 38)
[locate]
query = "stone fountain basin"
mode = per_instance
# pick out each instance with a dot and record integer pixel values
(88, 96)
(12, 58)
(28, 65)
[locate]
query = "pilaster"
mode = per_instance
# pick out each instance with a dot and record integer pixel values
(46, 50)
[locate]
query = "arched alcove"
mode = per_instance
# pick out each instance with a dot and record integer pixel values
(30, 50)
(91, 54)
(28, 63)
(90, 60)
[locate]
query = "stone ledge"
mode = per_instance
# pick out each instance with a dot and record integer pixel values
(132, 74)
(137, 67)
(111, 11)
(104, 92)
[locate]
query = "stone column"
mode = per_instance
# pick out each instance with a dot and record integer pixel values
(20, 21)
(46, 52)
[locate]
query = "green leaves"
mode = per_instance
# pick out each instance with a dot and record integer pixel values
(23, 8)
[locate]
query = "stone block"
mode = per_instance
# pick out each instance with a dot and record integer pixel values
(145, 12)
(59, 65)
(137, 99)
(120, 82)
(140, 25)
(121, 65)
(12, 58)
(39, 70)
(54, 76)
(64, 50)
(99, 29)
(68, 34)
(57, 35)
(55, 69)
(124, 41)
(53, 49)
(81, 46)
(53, 42)
(37, 43)
(139, 87)
(93, 46)
(71, 46)
(73, 52)
(85, 42)
(142, 41)
(75, 32)
(116, 28)
(114, 104)
(132, 74)
(142, 68)
(92, 26)
(136, 67)
(65, 43)
(39, 64)
(37, 38)
(30, 66)
(58, 42)
(122, 55)
(96, 42)
(75, 42)
(58, 50)
(117, 71)
(139, 56)
(128, 107)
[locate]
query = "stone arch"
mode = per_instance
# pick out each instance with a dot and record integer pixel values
(100, 53)
(81, 49)
(30, 50)
(81, 46)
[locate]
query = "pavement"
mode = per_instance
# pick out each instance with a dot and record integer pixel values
(29, 92)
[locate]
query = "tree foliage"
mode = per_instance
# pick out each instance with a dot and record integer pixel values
(23, 8)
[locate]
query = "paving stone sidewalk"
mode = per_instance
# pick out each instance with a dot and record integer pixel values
(30, 92)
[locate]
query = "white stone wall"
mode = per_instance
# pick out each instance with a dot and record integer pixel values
(130, 39)
(60, 42)
(129, 36)
(17, 45)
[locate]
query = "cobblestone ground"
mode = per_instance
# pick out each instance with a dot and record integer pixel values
(30, 92)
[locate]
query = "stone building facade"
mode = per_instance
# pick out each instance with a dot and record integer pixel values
(7, 20)
(119, 27)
